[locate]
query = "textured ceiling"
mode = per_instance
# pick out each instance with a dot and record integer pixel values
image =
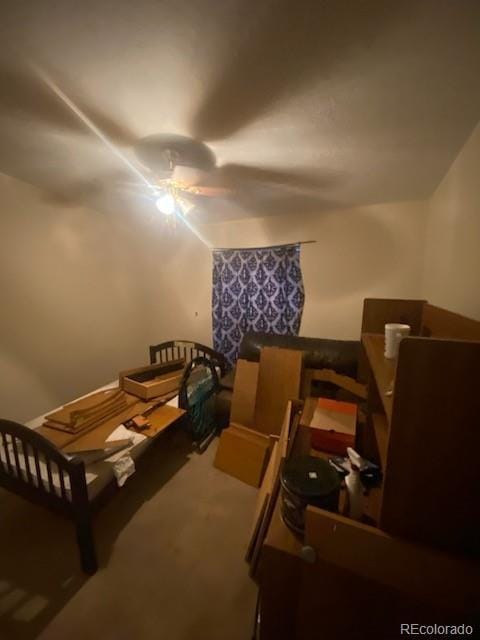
(354, 102)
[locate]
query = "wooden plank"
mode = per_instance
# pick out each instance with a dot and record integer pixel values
(91, 419)
(161, 419)
(285, 431)
(440, 323)
(244, 393)
(93, 403)
(279, 451)
(267, 484)
(98, 434)
(431, 480)
(242, 456)
(344, 382)
(380, 428)
(279, 381)
(383, 369)
(260, 511)
(373, 554)
(279, 536)
(265, 522)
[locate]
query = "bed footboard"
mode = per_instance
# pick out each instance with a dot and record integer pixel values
(33, 468)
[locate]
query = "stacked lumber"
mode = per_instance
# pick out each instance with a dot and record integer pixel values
(88, 413)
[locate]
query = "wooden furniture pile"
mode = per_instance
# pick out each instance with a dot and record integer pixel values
(260, 394)
(415, 557)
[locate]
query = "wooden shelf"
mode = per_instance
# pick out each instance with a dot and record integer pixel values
(380, 427)
(431, 413)
(383, 369)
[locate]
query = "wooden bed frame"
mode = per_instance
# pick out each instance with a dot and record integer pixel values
(176, 349)
(30, 485)
(73, 503)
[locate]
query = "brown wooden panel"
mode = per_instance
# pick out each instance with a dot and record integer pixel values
(378, 311)
(336, 604)
(279, 578)
(382, 368)
(244, 393)
(432, 484)
(379, 557)
(278, 382)
(440, 323)
(243, 456)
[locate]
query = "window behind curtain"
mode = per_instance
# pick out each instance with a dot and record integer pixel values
(255, 290)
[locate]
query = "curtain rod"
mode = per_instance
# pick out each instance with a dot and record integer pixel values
(273, 246)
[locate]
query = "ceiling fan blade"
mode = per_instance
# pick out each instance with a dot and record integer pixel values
(84, 190)
(237, 177)
(26, 96)
(261, 204)
(212, 192)
(117, 133)
(289, 47)
(75, 194)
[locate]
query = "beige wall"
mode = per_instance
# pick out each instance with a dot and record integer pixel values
(452, 257)
(83, 294)
(368, 251)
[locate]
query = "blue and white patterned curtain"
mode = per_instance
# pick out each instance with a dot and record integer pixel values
(255, 290)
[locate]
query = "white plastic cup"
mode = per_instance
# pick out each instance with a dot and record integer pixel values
(393, 336)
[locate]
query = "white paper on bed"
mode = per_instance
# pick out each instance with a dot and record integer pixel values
(122, 461)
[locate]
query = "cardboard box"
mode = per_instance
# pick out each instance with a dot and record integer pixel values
(153, 380)
(333, 424)
(243, 454)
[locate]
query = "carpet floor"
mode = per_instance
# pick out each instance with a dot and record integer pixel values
(170, 546)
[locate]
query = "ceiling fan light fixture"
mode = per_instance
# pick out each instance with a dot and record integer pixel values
(166, 204)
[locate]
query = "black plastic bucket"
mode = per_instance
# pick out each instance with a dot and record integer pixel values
(307, 480)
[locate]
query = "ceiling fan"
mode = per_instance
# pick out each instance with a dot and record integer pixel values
(186, 176)
(177, 166)
(259, 75)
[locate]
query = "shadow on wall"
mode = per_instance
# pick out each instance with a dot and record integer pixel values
(354, 250)
(75, 304)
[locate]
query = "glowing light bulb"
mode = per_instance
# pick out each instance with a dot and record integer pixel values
(166, 204)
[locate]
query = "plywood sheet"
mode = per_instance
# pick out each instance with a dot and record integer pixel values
(242, 456)
(279, 379)
(161, 419)
(244, 393)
